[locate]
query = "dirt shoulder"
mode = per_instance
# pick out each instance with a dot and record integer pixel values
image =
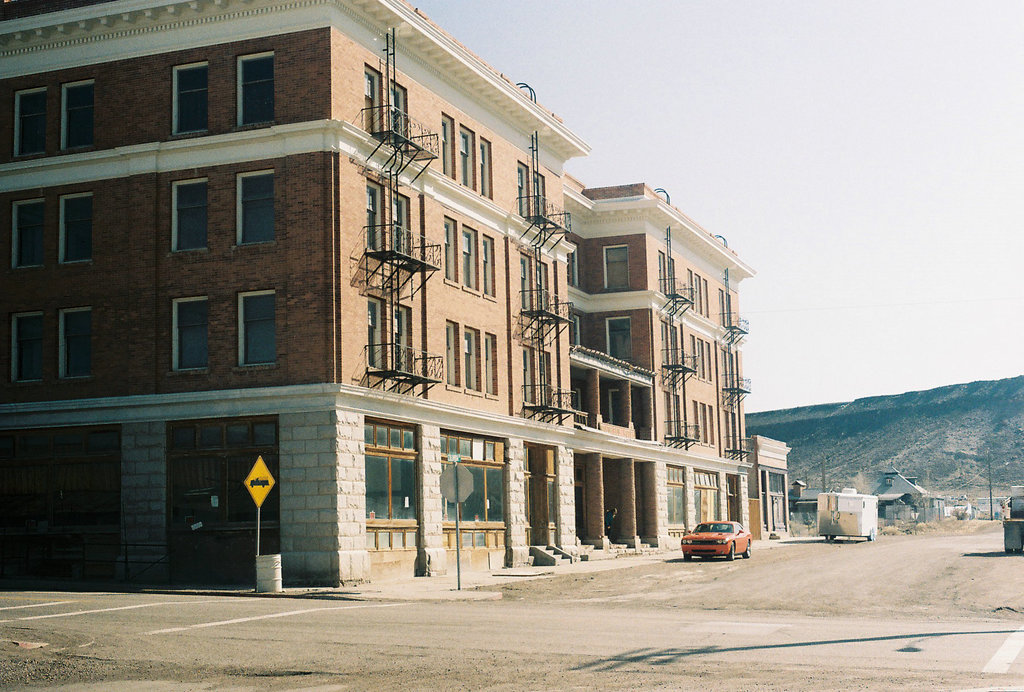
(929, 575)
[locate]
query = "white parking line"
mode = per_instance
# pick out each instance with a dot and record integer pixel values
(285, 614)
(101, 610)
(35, 605)
(1007, 654)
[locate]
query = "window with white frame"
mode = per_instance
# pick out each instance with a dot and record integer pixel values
(374, 354)
(471, 345)
(447, 146)
(27, 346)
(485, 168)
(490, 363)
(468, 258)
(190, 98)
(76, 227)
(27, 238)
(256, 89)
(620, 343)
(257, 328)
(30, 121)
(571, 269)
(451, 249)
(616, 267)
(76, 342)
(189, 214)
(466, 157)
(190, 329)
(574, 329)
(451, 352)
(487, 264)
(255, 207)
(76, 114)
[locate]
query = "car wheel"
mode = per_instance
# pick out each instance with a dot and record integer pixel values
(687, 557)
(746, 553)
(732, 551)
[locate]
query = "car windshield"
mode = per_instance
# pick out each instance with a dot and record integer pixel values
(713, 528)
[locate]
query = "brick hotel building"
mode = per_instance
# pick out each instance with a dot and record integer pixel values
(326, 233)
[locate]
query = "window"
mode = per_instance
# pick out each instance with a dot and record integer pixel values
(451, 353)
(188, 223)
(485, 168)
(487, 264)
(523, 188)
(76, 115)
(705, 496)
(468, 258)
(620, 344)
(451, 247)
(30, 121)
(490, 363)
(374, 355)
(27, 347)
(76, 228)
(699, 286)
(371, 100)
(676, 495)
(447, 146)
(574, 329)
(190, 333)
(190, 98)
(528, 375)
(572, 275)
(76, 342)
(466, 157)
(255, 207)
(661, 271)
(471, 344)
(257, 328)
(390, 465)
(482, 513)
(616, 267)
(256, 89)
(374, 241)
(27, 241)
(524, 282)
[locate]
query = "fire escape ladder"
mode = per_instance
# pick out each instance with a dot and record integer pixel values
(679, 433)
(548, 222)
(393, 254)
(676, 366)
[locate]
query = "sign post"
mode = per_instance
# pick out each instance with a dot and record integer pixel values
(457, 486)
(259, 483)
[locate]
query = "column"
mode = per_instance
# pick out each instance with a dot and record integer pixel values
(565, 526)
(592, 399)
(144, 501)
(723, 496)
(517, 552)
(627, 508)
(594, 476)
(690, 509)
(657, 485)
(323, 498)
(432, 555)
(744, 502)
(627, 404)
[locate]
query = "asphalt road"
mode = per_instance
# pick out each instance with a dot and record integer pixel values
(102, 641)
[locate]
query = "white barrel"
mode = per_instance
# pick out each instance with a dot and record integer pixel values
(1017, 491)
(268, 573)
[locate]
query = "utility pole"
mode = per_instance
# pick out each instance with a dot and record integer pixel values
(991, 507)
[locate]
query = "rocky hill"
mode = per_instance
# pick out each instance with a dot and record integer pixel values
(946, 437)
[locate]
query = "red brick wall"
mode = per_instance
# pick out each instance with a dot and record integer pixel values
(590, 260)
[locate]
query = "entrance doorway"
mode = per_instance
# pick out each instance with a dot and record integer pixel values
(542, 495)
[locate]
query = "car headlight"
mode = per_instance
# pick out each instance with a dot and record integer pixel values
(721, 540)
(687, 541)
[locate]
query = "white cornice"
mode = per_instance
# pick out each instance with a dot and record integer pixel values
(317, 397)
(132, 28)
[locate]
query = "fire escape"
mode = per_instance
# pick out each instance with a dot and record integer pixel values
(734, 386)
(676, 365)
(394, 255)
(542, 315)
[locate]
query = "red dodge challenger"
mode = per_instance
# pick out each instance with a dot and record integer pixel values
(717, 538)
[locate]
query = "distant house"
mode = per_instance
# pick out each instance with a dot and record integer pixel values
(766, 485)
(900, 498)
(803, 505)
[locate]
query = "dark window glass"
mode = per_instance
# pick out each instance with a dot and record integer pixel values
(183, 437)
(620, 344)
(192, 334)
(259, 329)
(6, 446)
(70, 444)
(264, 433)
(368, 434)
(191, 99)
(32, 123)
(103, 441)
(257, 208)
(77, 343)
(32, 446)
(238, 435)
(382, 436)
(616, 267)
(408, 442)
(190, 215)
(28, 234)
(495, 496)
(257, 101)
(396, 438)
(376, 487)
(77, 228)
(474, 508)
(211, 436)
(29, 343)
(78, 115)
(403, 489)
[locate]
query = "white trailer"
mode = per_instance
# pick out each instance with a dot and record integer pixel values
(849, 514)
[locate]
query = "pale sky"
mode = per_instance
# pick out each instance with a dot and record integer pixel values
(866, 158)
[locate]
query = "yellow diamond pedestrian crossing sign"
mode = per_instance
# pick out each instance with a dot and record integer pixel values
(259, 482)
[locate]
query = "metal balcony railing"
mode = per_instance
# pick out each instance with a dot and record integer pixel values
(540, 212)
(736, 327)
(733, 383)
(739, 448)
(679, 296)
(403, 363)
(544, 397)
(391, 242)
(543, 304)
(679, 432)
(676, 360)
(395, 128)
